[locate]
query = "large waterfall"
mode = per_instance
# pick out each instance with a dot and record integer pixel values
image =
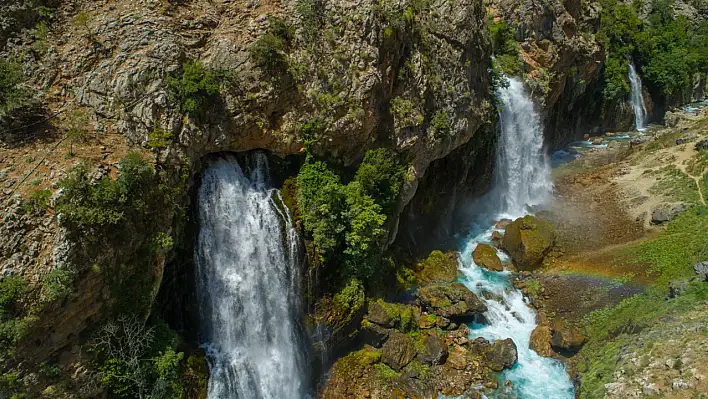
(636, 99)
(523, 179)
(247, 269)
(523, 171)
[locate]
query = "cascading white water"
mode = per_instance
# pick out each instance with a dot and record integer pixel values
(522, 179)
(247, 269)
(636, 99)
(523, 171)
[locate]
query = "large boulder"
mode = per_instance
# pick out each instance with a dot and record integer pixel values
(398, 350)
(701, 269)
(502, 354)
(437, 267)
(434, 350)
(540, 340)
(565, 338)
(486, 256)
(451, 300)
(528, 240)
(393, 315)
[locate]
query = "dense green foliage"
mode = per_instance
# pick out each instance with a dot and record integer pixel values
(195, 87)
(12, 94)
(381, 175)
(347, 222)
(669, 49)
(506, 49)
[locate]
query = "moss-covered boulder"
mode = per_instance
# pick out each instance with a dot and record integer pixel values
(486, 256)
(394, 315)
(451, 300)
(528, 240)
(437, 267)
(398, 350)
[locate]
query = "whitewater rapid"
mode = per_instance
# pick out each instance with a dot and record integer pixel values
(522, 180)
(247, 268)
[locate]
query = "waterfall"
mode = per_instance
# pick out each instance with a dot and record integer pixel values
(247, 258)
(522, 179)
(523, 171)
(636, 99)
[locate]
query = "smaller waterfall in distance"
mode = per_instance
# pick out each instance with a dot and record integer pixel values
(247, 258)
(522, 179)
(523, 171)
(636, 99)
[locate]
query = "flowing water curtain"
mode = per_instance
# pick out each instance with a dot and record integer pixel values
(636, 99)
(247, 266)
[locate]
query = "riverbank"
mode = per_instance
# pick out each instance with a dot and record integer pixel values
(630, 222)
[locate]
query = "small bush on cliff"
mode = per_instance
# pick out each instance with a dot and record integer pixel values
(13, 324)
(12, 94)
(195, 87)
(269, 51)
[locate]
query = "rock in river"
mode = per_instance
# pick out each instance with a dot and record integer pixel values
(528, 240)
(451, 300)
(486, 256)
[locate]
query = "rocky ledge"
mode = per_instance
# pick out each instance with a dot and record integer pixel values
(421, 349)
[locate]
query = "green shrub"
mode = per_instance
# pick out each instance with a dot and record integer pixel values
(12, 289)
(365, 235)
(12, 94)
(405, 113)
(322, 201)
(195, 87)
(269, 51)
(37, 201)
(311, 16)
(506, 49)
(58, 283)
(133, 361)
(440, 125)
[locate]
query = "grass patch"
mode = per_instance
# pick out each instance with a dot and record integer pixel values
(613, 330)
(672, 255)
(676, 185)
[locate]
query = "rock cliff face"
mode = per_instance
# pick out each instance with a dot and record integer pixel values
(369, 74)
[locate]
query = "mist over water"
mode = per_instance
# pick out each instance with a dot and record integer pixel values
(247, 258)
(636, 99)
(522, 179)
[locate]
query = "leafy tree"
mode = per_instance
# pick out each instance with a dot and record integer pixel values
(365, 235)
(195, 87)
(322, 201)
(381, 176)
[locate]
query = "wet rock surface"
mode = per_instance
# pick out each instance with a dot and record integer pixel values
(486, 256)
